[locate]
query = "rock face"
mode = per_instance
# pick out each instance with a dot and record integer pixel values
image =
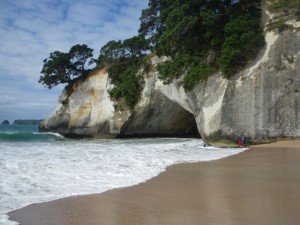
(157, 114)
(262, 101)
(5, 122)
(89, 112)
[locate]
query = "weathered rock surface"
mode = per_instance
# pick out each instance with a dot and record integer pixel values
(262, 101)
(89, 112)
(158, 115)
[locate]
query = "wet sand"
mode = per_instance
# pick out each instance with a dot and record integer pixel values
(260, 186)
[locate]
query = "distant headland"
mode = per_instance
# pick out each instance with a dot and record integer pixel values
(5, 122)
(27, 122)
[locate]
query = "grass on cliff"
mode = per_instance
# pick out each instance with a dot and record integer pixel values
(284, 6)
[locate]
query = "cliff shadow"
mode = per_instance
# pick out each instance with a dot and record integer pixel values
(160, 118)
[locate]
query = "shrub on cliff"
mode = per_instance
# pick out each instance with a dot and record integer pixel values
(242, 41)
(122, 60)
(285, 10)
(284, 6)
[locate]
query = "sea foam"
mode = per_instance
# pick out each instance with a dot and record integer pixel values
(33, 172)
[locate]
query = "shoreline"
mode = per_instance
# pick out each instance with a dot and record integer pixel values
(257, 186)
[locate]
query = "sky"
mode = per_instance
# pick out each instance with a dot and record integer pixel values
(31, 29)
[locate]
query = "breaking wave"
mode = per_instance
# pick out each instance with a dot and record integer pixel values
(29, 136)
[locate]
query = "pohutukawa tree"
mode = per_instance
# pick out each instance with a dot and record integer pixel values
(201, 37)
(61, 68)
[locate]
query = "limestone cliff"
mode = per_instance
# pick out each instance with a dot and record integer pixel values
(87, 111)
(262, 101)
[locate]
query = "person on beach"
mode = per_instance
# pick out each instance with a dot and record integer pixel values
(239, 142)
(242, 141)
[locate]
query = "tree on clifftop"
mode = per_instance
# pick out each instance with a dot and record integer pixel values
(202, 36)
(62, 67)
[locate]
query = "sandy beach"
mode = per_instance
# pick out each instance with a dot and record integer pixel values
(258, 186)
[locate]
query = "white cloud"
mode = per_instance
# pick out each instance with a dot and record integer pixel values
(31, 29)
(16, 103)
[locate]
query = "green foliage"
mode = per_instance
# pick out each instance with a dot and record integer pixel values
(184, 63)
(122, 61)
(189, 31)
(57, 70)
(201, 37)
(81, 57)
(199, 72)
(279, 6)
(150, 21)
(277, 25)
(173, 69)
(62, 67)
(285, 10)
(127, 87)
(242, 39)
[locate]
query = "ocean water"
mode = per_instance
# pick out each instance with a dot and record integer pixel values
(37, 167)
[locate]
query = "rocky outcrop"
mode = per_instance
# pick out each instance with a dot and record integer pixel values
(158, 114)
(262, 101)
(87, 111)
(5, 122)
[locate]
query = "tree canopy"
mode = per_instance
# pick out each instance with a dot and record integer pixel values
(202, 36)
(61, 68)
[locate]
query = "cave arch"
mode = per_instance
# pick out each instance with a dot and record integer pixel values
(161, 117)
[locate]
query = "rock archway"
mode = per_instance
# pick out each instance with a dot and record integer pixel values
(160, 118)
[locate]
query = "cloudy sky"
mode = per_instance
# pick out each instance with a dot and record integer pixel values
(31, 29)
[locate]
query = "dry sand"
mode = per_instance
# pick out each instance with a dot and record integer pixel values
(260, 186)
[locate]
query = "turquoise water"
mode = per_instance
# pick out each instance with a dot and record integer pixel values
(18, 128)
(37, 167)
(17, 133)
